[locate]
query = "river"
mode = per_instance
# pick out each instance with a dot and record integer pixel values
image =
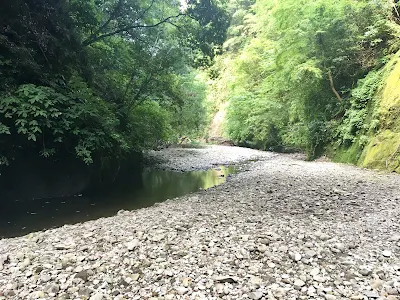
(142, 190)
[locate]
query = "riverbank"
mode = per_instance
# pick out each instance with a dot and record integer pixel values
(203, 157)
(283, 229)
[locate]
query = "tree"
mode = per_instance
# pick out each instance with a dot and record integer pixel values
(89, 78)
(296, 67)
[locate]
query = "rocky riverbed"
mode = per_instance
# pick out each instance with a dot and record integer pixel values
(283, 229)
(202, 157)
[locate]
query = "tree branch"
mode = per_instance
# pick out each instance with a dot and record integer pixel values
(129, 84)
(126, 28)
(104, 26)
(173, 24)
(333, 87)
(146, 10)
(135, 99)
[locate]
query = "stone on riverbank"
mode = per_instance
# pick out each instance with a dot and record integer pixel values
(234, 241)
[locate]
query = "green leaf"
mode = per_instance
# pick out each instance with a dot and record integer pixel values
(32, 137)
(4, 129)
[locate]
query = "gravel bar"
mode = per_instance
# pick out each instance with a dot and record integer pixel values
(203, 158)
(283, 229)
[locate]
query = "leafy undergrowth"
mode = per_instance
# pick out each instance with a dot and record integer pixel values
(348, 155)
(370, 130)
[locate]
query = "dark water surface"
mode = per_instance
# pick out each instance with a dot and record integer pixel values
(22, 217)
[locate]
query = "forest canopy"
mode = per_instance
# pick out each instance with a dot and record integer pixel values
(102, 78)
(301, 75)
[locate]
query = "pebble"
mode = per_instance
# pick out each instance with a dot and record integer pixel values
(395, 238)
(298, 283)
(258, 236)
(85, 292)
(377, 284)
(262, 248)
(319, 278)
(181, 290)
(314, 272)
(132, 245)
(45, 278)
(365, 271)
(256, 295)
(295, 256)
(371, 294)
(256, 281)
(97, 296)
(387, 253)
(392, 291)
(82, 275)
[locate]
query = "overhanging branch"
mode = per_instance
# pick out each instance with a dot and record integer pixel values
(112, 17)
(94, 39)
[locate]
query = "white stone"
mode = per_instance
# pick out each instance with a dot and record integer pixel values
(298, 283)
(132, 245)
(97, 296)
(387, 253)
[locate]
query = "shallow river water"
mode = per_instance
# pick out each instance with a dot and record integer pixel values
(142, 190)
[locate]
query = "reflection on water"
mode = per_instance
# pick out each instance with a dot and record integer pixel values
(21, 217)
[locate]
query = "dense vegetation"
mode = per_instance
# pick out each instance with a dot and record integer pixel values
(305, 75)
(99, 79)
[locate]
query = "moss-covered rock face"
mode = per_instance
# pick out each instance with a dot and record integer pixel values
(389, 109)
(383, 150)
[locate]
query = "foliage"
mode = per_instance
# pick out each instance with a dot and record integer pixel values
(40, 118)
(150, 124)
(357, 117)
(100, 79)
(189, 115)
(306, 72)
